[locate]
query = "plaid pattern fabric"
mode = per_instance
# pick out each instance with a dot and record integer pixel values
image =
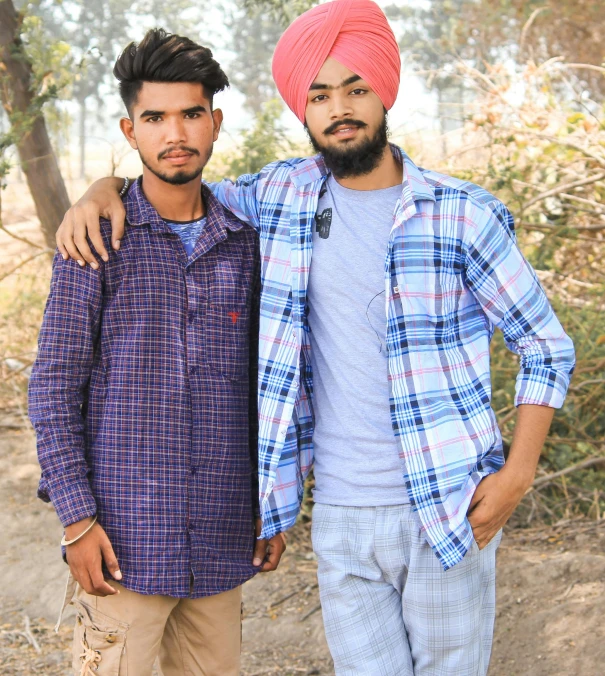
(388, 606)
(452, 273)
(140, 397)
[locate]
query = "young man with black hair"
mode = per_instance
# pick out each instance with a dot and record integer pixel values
(143, 396)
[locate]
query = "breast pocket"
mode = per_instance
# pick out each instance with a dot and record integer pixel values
(227, 333)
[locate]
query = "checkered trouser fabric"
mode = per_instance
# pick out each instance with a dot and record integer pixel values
(389, 608)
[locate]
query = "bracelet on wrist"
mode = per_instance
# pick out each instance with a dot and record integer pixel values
(66, 543)
(124, 189)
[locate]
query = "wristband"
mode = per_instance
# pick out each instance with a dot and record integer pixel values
(66, 543)
(125, 187)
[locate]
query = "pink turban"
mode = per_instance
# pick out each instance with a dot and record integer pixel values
(354, 32)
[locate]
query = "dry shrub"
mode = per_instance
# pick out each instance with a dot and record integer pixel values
(534, 139)
(22, 298)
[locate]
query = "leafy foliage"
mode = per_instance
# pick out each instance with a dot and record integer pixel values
(265, 142)
(52, 77)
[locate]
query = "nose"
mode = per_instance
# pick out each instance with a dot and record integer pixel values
(175, 131)
(340, 106)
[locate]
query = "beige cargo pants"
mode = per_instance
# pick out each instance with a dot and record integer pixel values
(122, 635)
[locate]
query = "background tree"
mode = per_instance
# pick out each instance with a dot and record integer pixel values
(24, 91)
(255, 34)
(97, 31)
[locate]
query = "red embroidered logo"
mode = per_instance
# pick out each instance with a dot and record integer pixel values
(234, 316)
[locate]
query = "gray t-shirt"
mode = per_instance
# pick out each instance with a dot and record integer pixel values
(356, 452)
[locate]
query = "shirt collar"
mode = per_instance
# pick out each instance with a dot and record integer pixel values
(140, 212)
(414, 187)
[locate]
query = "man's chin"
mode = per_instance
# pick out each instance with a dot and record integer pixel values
(178, 176)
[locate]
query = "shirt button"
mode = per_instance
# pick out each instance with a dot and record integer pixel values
(282, 432)
(192, 370)
(193, 471)
(191, 316)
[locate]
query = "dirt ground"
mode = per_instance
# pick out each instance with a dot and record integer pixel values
(551, 591)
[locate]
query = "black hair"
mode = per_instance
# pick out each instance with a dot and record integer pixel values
(164, 57)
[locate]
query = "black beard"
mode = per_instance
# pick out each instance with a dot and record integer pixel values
(181, 177)
(357, 160)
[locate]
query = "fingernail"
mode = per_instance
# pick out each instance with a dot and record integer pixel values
(256, 562)
(105, 258)
(94, 266)
(80, 263)
(118, 575)
(116, 244)
(65, 256)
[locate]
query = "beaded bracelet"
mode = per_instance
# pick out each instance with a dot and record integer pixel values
(125, 187)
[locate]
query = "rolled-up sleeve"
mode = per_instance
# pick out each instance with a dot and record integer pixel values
(58, 386)
(509, 292)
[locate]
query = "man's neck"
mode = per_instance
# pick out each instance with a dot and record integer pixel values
(387, 174)
(174, 202)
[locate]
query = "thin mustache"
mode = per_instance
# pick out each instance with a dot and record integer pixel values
(348, 123)
(185, 149)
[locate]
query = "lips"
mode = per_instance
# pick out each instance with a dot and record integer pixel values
(345, 132)
(177, 158)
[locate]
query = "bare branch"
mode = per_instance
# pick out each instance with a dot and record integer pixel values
(21, 239)
(25, 262)
(585, 66)
(549, 478)
(563, 187)
(528, 24)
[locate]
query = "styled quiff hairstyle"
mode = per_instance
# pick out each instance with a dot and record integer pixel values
(164, 57)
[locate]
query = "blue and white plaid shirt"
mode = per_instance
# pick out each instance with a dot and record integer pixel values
(452, 273)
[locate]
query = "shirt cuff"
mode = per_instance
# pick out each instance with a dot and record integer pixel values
(541, 387)
(73, 502)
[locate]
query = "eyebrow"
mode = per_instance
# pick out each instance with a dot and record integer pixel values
(344, 83)
(187, 111)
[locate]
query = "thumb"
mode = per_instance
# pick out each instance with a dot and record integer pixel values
(260, 551)
(110, 559)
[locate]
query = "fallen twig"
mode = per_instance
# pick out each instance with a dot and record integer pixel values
(30, 637)
(291, 594)
(310, 612)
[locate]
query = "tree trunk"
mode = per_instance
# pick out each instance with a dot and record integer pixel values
(82, 138)
(38, 159)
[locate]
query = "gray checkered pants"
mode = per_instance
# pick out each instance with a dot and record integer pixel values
(389, 609)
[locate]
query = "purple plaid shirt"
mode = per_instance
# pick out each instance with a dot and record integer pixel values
(142, 404)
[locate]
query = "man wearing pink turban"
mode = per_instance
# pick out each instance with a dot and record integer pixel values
(382, 286)
(353, 32)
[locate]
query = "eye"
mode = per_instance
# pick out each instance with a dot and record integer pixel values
(359, 91)
(192, 116)
(319, 97)
(154, 118)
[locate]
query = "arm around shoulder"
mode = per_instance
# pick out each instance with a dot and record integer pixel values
(81, 221)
